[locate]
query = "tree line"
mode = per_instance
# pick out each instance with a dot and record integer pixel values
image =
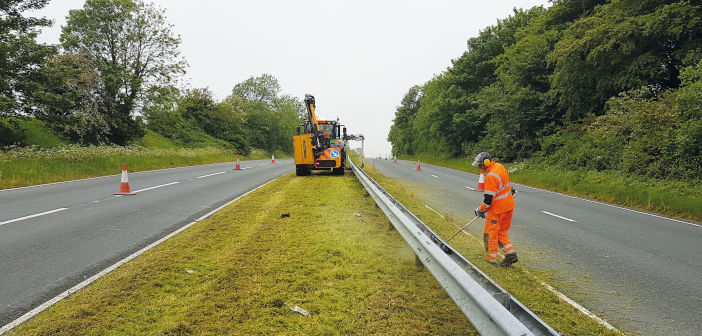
(117, 73)
(590, 84)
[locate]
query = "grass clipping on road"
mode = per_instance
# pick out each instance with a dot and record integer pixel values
(244, 270)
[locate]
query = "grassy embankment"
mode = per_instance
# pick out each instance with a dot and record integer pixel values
(519, 280)
(29, 166)
(681, 199)
(241, 271)
(52, 159)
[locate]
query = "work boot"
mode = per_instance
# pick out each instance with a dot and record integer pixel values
(509, 260)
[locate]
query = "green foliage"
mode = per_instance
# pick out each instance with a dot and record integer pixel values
(132, 47)
(67, 98)
(600, 85)
(270, 119)
(27, 131)
(20, 54)
(154, 140)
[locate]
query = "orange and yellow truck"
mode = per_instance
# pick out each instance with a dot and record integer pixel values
(319, 144)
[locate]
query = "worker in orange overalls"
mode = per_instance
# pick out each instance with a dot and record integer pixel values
(499, 206)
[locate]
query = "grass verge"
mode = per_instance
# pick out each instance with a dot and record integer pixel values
(681, 199)
(33, 165)
(522, 282)
(241, 271)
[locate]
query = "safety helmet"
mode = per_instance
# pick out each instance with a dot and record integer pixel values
(480, 159)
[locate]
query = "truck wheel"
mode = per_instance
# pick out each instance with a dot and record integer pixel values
(301, 170)
(338, 171)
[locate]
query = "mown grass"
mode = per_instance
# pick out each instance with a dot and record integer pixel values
(34, 165)
(675, 198)
(241, 272)
(521, 281)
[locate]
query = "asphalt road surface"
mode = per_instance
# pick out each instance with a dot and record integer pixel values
(54, 236)
(640, 272)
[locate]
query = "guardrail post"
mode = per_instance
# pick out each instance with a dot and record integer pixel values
(418, 262)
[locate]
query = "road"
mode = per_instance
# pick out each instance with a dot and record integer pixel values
(54, 236)
(640, 272)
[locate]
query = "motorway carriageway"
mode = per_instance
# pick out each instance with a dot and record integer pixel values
(640, 272)
(54, 236)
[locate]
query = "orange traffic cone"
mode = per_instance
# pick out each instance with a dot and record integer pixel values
(237, 167)
(418, 166)
(273, 158)
(481, 182)
(124, 183)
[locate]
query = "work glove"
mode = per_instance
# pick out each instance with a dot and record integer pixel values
(514, 192)
(480, 213)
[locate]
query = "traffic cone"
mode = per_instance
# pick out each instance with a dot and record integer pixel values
(481, 182)
(238, 167)
(124, 183)
(273, 158)
(394, 160)
(386, 157)
(418, 166)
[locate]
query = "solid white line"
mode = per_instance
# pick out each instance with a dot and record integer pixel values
(561, 217)
(467, 187)
(32, 216)
(208, 175)
(440, 215)
(434, 176)
(574, 304)
(90, 280)
(158, 186)
(613, 206)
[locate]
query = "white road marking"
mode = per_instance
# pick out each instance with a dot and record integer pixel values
(90, 280)
(574, 304)
(440, 215)
(434, 176)
(467, 187)
(613, 206)
(208, 175)
(561, 217)
(158, 186)
(242, 168)
(261, 165)
(32, 216)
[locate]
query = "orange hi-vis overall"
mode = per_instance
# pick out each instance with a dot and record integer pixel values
(499, 212)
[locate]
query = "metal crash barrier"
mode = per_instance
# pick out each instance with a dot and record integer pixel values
(489, 308)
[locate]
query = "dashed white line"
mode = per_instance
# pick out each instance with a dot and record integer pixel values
(613, 206)
(557, 216)
(32, 216)
(242, 168)
(158, 186)
(434, 176)
(208, 175)
(467, 187)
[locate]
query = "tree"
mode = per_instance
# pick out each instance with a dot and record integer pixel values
(401, 135)
(67, 99)
(261, 89)
(20, 54)
(269, 119)
(132, 47)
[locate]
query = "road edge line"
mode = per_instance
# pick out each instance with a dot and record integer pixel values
(34, 312)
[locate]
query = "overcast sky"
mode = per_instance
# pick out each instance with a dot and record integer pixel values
(358, 58)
